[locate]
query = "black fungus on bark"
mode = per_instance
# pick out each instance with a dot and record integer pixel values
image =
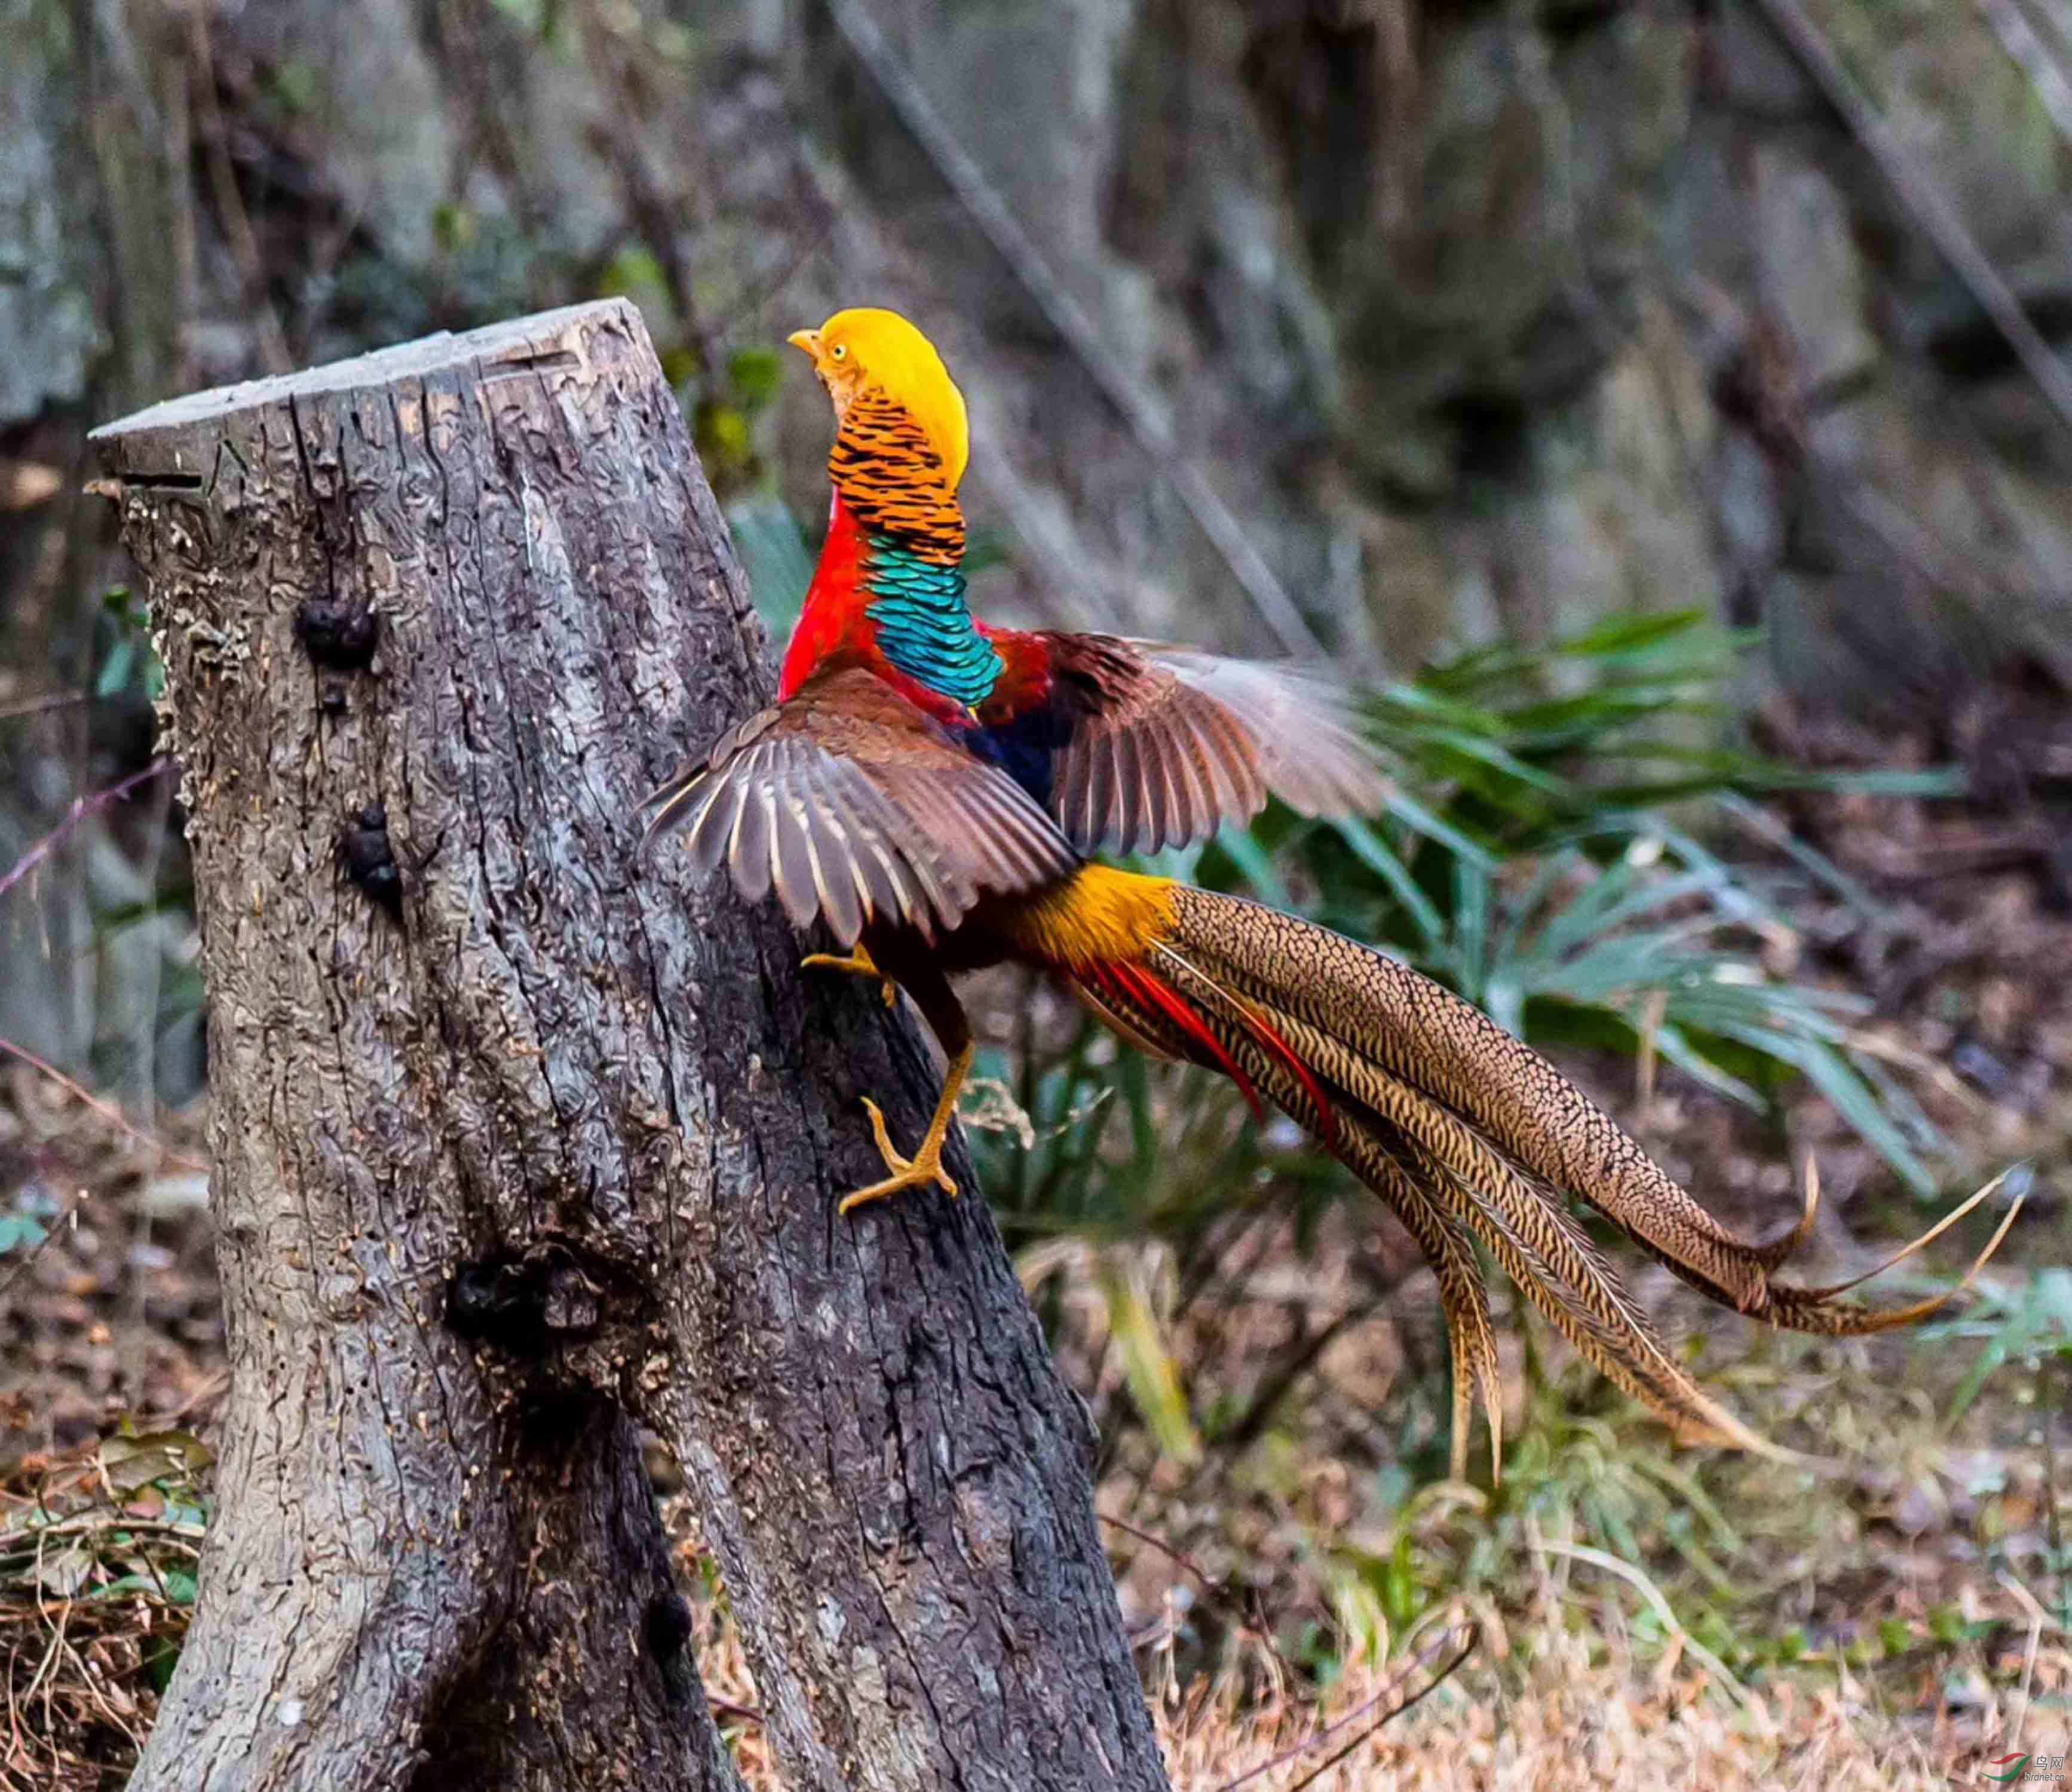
(369, 859)
(337, 635)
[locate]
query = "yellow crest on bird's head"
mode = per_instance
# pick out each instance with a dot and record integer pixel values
(864, 347)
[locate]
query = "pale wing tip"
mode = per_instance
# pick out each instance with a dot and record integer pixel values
(1315, 755)
(668, 807)
(1355, 788)
(1327, 764)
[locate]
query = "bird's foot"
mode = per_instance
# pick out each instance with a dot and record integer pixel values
(925, 1166)
(858, 962)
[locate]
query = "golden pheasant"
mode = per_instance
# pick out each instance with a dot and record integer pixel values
(929, 788)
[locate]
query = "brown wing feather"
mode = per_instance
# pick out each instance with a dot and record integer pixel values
(1165, 744)
(852, 805)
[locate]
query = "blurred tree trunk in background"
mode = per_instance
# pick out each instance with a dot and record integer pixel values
(98, 272)
(520, 1142)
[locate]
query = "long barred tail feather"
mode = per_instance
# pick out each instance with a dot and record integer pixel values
(1471, 1138)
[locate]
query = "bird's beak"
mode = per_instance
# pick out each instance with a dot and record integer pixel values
(808, 340)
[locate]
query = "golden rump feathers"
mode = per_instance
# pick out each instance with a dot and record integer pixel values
(864, 349)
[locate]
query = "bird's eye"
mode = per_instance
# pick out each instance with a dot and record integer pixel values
(839, 352)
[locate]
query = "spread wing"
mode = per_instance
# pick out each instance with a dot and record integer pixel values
(1163, 744)
(853, 805)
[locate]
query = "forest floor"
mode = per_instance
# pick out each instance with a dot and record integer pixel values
(1896, 1613)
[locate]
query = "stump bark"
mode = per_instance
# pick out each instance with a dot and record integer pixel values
(522, 1143)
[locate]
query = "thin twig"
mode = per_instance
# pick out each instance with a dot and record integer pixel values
(2037, 1618)
(2052, 1524)
(107, 1111)
(1244, 1602)
(1319, 1737)
(82, 807)
(649, 209)
(1273, 1388)
(2032, 56)
(1144, 415)
(34, 1254)
(230, 210)
(1214, 1584)
(43, 705)
(752, 301)
(2052, 20)
(86, 1524)
(1920, 195)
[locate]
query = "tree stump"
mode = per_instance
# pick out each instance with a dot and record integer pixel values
(522, 1143)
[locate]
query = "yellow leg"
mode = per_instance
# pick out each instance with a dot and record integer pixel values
(859, 963)
(926, 1165)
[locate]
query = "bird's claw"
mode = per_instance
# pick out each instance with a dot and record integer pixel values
(858, 962)
(925, 1166)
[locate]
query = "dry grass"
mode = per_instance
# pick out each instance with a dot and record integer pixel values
(1569, 1721)
(97, 1554)
(1570, 1707)
(1897, 1623)
(1561, 1711)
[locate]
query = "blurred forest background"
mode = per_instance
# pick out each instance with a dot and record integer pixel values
(1662, 403)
